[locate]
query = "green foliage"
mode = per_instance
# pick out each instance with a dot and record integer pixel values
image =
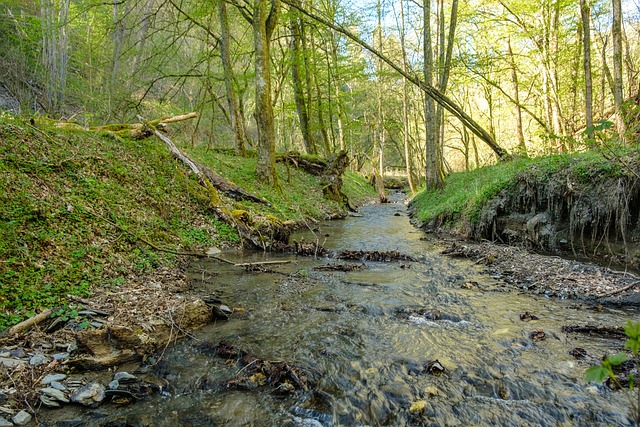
(465, 193)
(606, 367)
(74, 208)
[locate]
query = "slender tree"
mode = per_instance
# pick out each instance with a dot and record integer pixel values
(585, 14)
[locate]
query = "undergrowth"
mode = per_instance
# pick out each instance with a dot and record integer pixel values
(77, 210)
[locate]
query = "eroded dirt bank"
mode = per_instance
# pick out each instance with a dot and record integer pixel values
(589, 213)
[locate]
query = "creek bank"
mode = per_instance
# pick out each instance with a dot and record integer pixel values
(583, 206)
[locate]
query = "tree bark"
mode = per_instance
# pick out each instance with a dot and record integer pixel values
(616, 31)
(516, 96)
(585, 14)
(433, 170)
(298, 90)
(264, 23)
(232, 96)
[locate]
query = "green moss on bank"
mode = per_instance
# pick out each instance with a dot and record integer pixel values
(76, 208)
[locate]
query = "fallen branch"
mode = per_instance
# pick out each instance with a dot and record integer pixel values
(32, 321)
(253, 264)
(618, 291)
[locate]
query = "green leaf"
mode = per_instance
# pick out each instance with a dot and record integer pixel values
(632, 330)
(596, 373)
(633, 345)
(617, 359)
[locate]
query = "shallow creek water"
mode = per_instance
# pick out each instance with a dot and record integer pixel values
(366, 363)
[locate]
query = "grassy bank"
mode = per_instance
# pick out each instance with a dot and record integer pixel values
(77, 208)
(466, 193)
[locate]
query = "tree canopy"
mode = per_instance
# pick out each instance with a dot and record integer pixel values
(411, 88)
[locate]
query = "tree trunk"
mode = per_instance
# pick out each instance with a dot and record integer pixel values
(264, 22)
(433, 175)
(380, 133)
(516, 96)
(298, 90)
(232, 96)
(320, 110)
(616, 31)
(585, 14)
(405, 104)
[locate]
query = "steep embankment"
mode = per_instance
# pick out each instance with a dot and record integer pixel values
(82, 213)
(584, 205)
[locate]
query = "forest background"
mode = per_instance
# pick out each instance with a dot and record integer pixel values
(270, 75)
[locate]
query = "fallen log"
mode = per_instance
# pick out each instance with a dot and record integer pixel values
(259, 232)
(130, 130)
(229, 188)
(311, 165)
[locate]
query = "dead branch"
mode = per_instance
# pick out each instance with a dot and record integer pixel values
(32, 321)
(618, 291)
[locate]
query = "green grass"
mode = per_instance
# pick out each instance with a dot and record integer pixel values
(75, 206)
(465, 193)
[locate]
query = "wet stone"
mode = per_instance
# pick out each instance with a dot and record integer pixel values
(55, 394)
(90, 395)
(53, 377)
(538, 335)
(435, 368)
(526, 316)
(578, 353)
(21, 418)
(57, 385)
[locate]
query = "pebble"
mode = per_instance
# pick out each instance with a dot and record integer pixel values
(56, 394)
(18, 352)
(38, 359)
(53, 377)
(60, 356)
(10, 362)
(21, 418)
(5, 423)
(124, 377)
(49, 402)
(89, 395)
(57, 385)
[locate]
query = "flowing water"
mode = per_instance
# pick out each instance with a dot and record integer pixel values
(365, 350)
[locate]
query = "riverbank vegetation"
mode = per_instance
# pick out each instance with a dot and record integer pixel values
(79, 210)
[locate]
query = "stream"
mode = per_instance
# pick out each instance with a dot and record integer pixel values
(365, 347)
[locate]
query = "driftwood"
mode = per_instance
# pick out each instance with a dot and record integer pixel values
(32, 321)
